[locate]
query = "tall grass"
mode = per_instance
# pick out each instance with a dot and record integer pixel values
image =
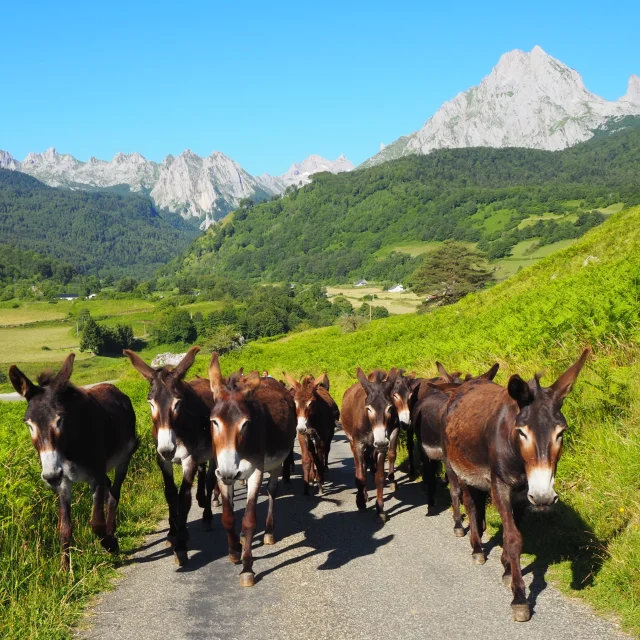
(37, 600)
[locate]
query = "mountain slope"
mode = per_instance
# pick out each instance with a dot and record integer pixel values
(95, 232)
(336, 228)
(528, 100)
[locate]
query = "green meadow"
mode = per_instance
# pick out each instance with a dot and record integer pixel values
(539, 320)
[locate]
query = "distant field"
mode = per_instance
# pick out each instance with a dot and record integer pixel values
(113, 307)
(396, 303)
(33, 312)
(507, 267)
(24, 344)
(414, 249)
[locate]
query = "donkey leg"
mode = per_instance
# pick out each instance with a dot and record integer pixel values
(216, 493)
(65, 528)
(272, 490)
(247, 577)
(201, 491)
(171, 496)
(319, 461)
(454, 491)
(307, 462)
(189, 470)
(431, 470)
(381, 515)
(98, 521)
(210, 483)
(469, 496)
(229, 522)
(393, 451)
(412, 465)
(512, 544)
(361, 477)
(113, 499)
(287, 467)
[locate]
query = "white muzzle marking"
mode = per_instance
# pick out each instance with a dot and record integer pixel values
(302, 425)
(380, 440)
(51, 467)
(405, 417)
(166, 442)
(540, 480)
(228, 468)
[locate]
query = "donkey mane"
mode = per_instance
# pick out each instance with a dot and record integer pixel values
(48, 379)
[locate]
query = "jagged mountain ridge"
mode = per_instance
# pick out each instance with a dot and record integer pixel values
(192, 186)
(528, 100)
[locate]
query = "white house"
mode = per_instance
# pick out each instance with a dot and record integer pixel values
(397, 289)
(361, 283)
(92, 296)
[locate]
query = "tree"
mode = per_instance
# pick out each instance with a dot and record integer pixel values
(92, 338)
(176, 326)
(451, 272)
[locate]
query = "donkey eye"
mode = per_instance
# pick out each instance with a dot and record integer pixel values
(389, 409)
(32, 429)
(559, 436)
(244, 425)
(396, 396)
(522, 434)
(215, 423)
(369, 410)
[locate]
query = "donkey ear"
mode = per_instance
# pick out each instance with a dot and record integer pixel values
(411, 375)
(443, 372)
(21, 383)
(562, 386)
(321, 381)
(185, 364)
(363, 380)
(491, 374)
(140, 365)
(250, 384)
(62, 377)
(392, 376)
(293, 383)
(215, 375)
(520, 391)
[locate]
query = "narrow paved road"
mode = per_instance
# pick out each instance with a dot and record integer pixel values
(333, 574)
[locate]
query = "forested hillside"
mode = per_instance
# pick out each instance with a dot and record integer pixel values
(338, 227)
(95, 233)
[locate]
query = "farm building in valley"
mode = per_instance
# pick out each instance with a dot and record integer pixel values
(397, 289)
(361, 283)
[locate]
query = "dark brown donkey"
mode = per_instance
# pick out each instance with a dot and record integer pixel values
(181, 415)
(253, 425)
(369, 418)
(317, 413)
(507, 442)
(429, 419)
(80, 434)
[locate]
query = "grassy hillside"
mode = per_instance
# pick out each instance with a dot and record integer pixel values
(587, 294)
(344, 227)
(94, 232)
(540, 319)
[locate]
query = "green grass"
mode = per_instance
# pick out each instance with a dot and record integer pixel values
(36, 599)
(28, 312)
(24, 344)
(522, 257)
(539, 320)
(413, 248)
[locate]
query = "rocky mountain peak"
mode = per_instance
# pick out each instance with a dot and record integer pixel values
(633, 91)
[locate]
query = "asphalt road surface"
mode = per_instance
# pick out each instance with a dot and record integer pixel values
(333, 573)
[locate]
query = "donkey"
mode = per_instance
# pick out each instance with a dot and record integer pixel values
(429, 418)
(80, 435)
(253, 425)
(420, 388)
(369, 419)
(317, 414)
(507, 442)
(180, 413)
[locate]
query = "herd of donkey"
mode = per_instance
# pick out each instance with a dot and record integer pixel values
(505, 442)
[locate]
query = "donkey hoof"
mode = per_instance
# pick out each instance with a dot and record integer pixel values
(216, 504)
(382, 517)
(181, 557)
(506, 581)
(247, 579)
(521, 612)
(393, 486)
(172, 540)
(234, 558)
(269, 538)
(458, 532)
(478, 558)
(110, 544)
(432, 510)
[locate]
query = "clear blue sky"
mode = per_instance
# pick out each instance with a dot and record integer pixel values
(269, 83)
